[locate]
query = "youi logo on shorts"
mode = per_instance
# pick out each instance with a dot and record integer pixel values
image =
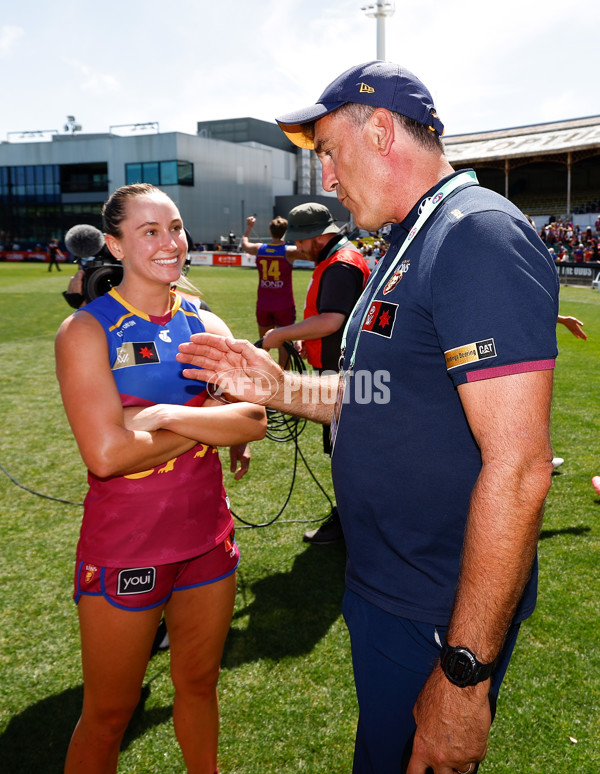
(136, 581)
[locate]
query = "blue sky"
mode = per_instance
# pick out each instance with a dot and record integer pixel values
(488, 66)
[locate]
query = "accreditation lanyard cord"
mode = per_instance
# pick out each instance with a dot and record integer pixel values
(337, 245)
(464, 178)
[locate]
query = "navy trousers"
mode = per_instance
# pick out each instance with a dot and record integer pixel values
(392, 658)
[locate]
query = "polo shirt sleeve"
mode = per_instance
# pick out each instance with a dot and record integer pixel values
(341, 285)
(494, 298)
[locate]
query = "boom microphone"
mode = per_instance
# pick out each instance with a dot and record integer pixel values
(84, 241)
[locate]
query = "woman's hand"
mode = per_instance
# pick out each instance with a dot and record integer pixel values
(146, 418)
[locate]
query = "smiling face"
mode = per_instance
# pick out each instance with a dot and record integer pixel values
(151, 243)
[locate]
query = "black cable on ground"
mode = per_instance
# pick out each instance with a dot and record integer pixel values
(38, 494)
(282, 428)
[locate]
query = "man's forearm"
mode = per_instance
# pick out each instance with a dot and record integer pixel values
(499, 550)
(249, 374)
(509, 417)
(306, 395)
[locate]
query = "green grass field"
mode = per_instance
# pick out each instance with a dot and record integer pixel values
(287, 697)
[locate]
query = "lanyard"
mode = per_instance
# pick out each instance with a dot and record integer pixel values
(337, 245)
(427, 209)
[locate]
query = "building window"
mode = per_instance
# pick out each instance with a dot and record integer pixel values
(30, 184)
(133, 173)
(160, 173)
(151, 173)
(168, 173)
(185, 173)
(84, 178)
(31, 206)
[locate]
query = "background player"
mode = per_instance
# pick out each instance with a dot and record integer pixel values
(275, 305)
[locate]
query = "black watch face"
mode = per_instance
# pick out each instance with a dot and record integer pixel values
(461, 666)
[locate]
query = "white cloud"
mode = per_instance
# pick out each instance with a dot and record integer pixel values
(91, 80)
(8, 37)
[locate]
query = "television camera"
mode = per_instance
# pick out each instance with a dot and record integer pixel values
(101, 271)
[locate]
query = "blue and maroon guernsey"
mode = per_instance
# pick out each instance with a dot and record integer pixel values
(275, 290)
(176, 510)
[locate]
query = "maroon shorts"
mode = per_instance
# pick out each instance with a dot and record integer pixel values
(276, 318)
(141, 588)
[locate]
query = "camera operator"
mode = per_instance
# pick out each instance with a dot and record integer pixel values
(99, 270)
(73, 295)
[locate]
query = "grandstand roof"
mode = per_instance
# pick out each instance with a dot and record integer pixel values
(535, 140)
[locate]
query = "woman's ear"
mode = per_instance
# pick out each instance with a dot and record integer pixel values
(114, 246)
(381, 128)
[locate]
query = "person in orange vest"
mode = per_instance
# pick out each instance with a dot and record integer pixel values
(338, 279)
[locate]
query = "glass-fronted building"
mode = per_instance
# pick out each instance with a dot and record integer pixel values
(48, 186)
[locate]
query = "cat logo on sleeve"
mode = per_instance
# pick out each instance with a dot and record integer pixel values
(470, 353)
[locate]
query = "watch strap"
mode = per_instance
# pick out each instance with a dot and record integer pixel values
(462, 667)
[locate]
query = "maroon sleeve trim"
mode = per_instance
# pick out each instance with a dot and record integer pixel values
(515, 368)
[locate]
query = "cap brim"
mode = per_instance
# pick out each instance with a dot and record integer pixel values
(293, 124)
(299, 135)
(308, 232)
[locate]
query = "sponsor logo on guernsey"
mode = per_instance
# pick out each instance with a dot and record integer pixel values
(470, 353)
(380, 318)
(124, 327)
(139, 580)
(164, 336)
(271, 284)
(134, 353)
(396, 276)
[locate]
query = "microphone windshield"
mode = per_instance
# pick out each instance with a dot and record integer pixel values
(84, 241)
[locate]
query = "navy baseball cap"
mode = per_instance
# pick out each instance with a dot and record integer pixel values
(379, 84)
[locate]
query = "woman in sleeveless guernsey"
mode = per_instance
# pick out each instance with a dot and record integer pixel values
(157, 533)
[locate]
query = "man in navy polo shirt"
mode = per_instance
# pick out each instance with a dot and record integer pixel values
(441, 487)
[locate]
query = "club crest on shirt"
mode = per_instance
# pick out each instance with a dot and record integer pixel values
(396, 276)
(380, 318)
(470, 353)
(134, 353)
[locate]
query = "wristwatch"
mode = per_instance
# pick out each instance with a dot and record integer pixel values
(461, 666)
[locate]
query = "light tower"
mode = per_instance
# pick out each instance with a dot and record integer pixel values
(379, 11)
(72, 126)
